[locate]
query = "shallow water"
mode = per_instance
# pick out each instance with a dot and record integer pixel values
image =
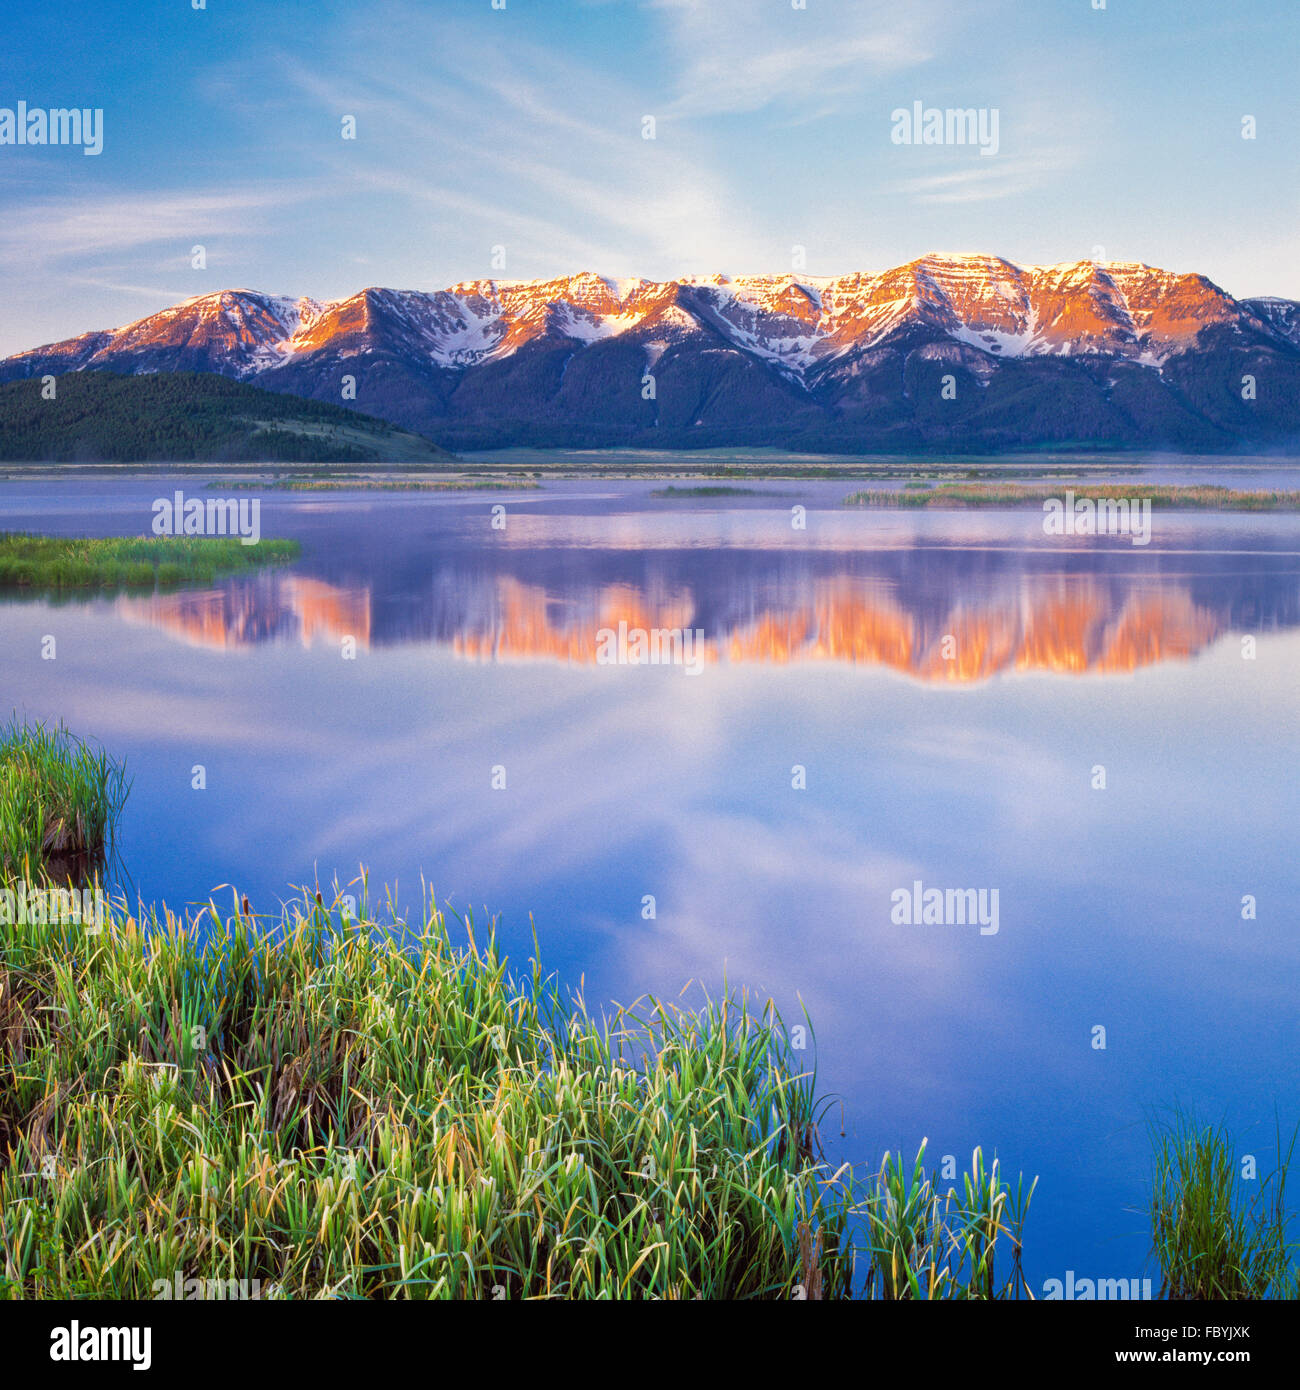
(961, 764)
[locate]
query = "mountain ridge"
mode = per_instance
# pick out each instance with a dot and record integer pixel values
(966, 350)
(105, 417)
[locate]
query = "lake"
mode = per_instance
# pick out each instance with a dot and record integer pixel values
(874, 701)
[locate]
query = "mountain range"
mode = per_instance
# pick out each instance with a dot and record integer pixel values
(951, 352)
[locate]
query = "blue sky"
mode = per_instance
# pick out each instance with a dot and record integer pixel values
(1120, 129)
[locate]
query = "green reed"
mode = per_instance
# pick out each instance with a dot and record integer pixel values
(336, 1111)
(930, 1242)
(59, 801)
(1217, 1234)
(55, 563)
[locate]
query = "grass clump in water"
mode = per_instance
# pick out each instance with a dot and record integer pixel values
(1016, 495)
(931, 1244)
(346, 482)
(709, 490)
(55, 563)
(1216, 1234)
(333, 1112)
(59, 800)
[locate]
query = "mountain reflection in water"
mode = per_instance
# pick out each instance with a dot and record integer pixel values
(921, 612)
(832, 753)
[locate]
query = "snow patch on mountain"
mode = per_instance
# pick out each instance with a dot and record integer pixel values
(800, 326)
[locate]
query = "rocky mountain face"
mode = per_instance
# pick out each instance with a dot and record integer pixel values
(946, 352)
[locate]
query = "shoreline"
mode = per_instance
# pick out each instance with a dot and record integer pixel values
(675, 465)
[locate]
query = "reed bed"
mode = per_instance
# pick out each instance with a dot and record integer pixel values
(1014, 495)
(59, 801)
(321, 1108)
(1215, 1233)
(55, 563)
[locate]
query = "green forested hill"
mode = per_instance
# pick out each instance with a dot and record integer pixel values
(177, 416)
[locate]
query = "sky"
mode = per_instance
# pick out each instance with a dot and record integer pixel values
(508, 141)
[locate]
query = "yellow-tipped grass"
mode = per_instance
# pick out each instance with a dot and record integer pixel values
(930, 1243)
(336, 1110)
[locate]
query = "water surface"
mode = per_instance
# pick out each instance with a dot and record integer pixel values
(947, 682)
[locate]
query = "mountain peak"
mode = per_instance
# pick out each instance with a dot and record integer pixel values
(798, 339)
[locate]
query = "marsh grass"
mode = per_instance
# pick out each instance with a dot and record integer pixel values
(55, 563)
(1215, 1234)
(709, 490)
(345, 482)
(339, 1112)
(1014, 495)
(59, 801)
(930, 1242)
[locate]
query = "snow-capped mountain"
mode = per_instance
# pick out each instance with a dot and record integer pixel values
(962, 350)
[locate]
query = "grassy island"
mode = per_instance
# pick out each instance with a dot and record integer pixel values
(341, 482)
(710, 490)
(55, 563)
(1017, 495)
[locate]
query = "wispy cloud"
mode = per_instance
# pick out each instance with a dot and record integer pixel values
(979, 182)
(735, 56)
(554, 158)
(49, 231)
(480, 128)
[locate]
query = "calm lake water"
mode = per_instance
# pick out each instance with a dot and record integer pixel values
(959, 764)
